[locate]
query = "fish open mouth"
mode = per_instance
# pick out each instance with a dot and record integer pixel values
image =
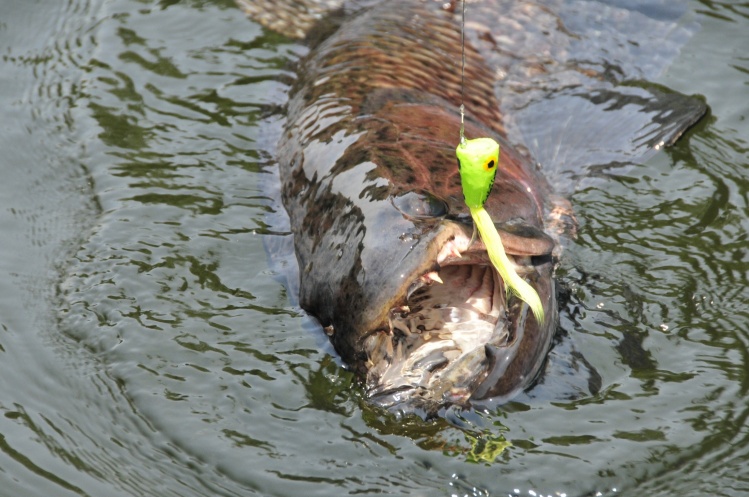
(442, 343)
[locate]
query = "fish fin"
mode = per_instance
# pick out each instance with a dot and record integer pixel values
(567, 78)
(292, 18)
(310, 20)
(541, 47)
(604, 131)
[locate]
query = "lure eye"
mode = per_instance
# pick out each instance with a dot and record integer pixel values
(490, 164)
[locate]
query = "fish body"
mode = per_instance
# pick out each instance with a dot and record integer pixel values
(381, 232)
(372, 188)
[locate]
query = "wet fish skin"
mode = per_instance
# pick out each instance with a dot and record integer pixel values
(373, 116)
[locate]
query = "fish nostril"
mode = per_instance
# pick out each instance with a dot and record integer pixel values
(420, 204)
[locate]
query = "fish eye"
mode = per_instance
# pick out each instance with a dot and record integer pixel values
(419, 204)
(490, 164)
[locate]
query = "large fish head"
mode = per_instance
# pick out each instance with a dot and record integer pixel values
(389, 266)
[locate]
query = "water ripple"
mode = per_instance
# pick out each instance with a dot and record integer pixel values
(176, 363)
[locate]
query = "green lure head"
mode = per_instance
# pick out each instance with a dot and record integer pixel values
(478, 160)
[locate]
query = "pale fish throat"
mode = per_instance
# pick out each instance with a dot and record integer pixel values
(435, 350)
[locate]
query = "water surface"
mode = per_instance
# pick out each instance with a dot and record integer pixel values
(150, 347)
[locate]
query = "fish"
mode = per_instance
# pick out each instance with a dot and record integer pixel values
(383, 239)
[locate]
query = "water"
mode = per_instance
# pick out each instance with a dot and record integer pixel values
(149, 346)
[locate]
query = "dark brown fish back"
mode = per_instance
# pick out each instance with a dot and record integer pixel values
(397, 66)
(375, 115)
(406, 46)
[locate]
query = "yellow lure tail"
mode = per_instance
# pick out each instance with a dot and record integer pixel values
(478, 160)
(513, 282)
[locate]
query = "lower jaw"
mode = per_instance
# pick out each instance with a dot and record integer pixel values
(434, 354)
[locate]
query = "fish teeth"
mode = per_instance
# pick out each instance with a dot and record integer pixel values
(425, 279)
(414, 286)
(449, 250)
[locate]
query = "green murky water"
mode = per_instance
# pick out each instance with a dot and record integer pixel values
(148, 345)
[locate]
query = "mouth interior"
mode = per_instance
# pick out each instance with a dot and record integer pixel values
(435, 350)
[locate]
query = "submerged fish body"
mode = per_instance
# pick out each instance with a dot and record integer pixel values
(371, 185)
(381, 233)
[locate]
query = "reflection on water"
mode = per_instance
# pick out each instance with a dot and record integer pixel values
(150, 348)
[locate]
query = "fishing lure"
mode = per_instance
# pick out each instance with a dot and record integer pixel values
(478, 160)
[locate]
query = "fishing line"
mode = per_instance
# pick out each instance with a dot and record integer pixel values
(462, 74)
(478, 161)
